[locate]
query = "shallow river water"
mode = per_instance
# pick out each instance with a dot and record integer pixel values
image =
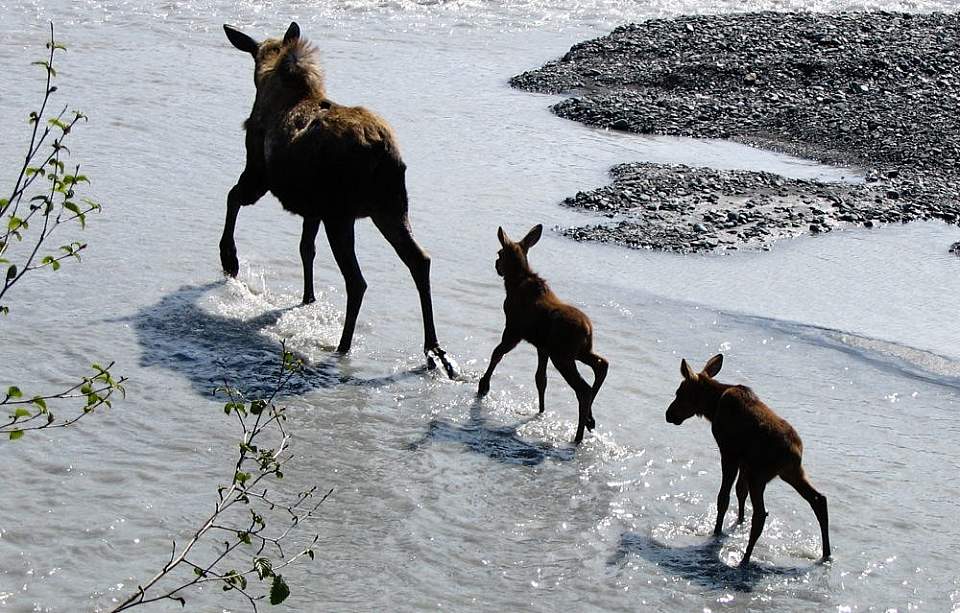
(441, 502)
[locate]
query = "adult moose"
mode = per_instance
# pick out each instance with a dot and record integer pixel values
(329, 164)
(753, 440)
(560, 332)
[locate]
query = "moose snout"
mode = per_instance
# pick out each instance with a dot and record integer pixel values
(673, 418)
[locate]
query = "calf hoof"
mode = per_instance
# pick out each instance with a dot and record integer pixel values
(437, 356)
(309, 299)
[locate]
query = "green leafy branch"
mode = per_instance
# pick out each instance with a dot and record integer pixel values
(36, 413)
(243, 512)
(28, 221)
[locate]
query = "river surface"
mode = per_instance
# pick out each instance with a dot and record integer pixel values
(441, 502)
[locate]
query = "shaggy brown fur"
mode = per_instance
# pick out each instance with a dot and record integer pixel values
(753, 440)
(559, 331)
(329, 164)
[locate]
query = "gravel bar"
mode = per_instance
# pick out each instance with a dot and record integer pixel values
(874, 90)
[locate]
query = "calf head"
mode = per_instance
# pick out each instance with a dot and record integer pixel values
(693, 394)
(512, 257)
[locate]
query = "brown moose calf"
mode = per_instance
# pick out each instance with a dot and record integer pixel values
(753, 441)
(559, 331)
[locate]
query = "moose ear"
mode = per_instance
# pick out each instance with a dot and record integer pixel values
(504, 239)
(687, 372)
(713, 365)
(532, 237)
(293, 33)
(240, 40)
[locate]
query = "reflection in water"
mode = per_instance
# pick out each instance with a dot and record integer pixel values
(210, 350)
(500, 443)
(699, 563)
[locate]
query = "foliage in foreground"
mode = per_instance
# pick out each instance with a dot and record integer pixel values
(234, 544)
(43, 200)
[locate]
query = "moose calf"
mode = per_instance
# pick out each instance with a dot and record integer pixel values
(559, 331)
(753, 441)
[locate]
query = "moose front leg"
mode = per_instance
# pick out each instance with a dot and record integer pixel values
(248, 190)
(729, 467)
(507, 343)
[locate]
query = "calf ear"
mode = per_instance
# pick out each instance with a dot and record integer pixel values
(293, 33)
(240, 40)
(532, 237)
(713, 365)
(504, 239)
(686, 371)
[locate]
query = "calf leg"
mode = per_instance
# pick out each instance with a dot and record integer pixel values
(507, 343)
(541, 377)
(396, 229)
(743, 487)
(341, 237)
(599, 367)
(757, 486)
(248, 190)
(308, 250)
(728, 467)
(568, 368)
(796, 477)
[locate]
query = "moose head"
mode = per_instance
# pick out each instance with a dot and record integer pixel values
(694, 396)
(512, 257)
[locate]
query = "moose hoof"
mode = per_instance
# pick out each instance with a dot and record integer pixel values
(483, 389)
(308, 300)
(229, 262)
(437, 356)
(591, 424)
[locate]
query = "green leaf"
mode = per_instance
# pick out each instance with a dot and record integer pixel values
(263, 567)
(14, 392)
(16, 434)
(21, 412)
(241, 477)
(40, 402)
(279, 590)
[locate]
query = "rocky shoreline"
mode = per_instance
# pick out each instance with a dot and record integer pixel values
(876, 90)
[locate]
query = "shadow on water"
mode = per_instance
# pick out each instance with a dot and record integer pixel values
(209, 349)
(698, 563)
(497, 442)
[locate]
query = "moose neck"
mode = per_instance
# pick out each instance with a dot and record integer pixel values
(523, 280)
(712, 390)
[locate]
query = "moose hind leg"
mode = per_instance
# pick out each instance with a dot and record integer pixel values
(541, 376)
(599, 366)
(341, 237)
(568, 368)
(818, 502)
(396, 229)
(743, 488)
(308, 250)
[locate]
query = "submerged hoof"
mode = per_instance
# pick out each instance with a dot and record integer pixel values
(308, 300)
(437, 356)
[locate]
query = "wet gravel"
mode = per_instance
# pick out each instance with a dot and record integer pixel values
(878, 90)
